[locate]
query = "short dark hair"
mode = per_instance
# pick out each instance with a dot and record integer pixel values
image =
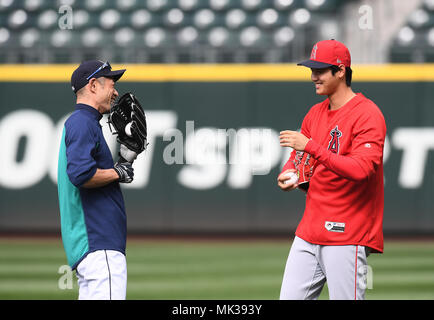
(348, 74)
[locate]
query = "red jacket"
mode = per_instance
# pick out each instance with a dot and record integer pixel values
(345, 200)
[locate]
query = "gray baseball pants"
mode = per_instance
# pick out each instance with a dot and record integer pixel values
(309, 266)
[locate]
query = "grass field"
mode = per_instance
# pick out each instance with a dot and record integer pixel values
(183, 269)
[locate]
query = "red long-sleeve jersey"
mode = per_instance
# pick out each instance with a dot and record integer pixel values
(345, 200)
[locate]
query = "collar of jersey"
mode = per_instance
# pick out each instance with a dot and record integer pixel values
(92, 111)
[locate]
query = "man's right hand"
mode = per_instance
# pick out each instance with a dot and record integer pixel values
(282, 178)
(125, 171)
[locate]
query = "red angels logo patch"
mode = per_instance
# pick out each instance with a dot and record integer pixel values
(334, 141)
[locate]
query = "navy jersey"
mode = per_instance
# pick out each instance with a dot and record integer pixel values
(91, 218)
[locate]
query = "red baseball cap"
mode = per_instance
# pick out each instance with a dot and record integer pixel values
(328, 53)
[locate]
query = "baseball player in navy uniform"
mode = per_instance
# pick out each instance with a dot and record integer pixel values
(92, 211)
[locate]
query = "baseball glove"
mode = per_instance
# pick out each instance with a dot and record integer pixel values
(305, 165)
(129, 122)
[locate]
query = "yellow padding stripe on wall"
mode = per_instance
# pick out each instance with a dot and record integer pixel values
(216, 72)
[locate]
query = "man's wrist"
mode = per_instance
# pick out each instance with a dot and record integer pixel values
(115, 174)
(309, 146)
(127, 154)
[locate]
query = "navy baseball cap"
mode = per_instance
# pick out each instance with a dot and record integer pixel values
(93, 69)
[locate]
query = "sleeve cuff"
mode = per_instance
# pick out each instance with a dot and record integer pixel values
(82, 179)
(310, 146)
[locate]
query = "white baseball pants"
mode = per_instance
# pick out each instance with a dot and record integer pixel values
(309, 266)
(102, 275)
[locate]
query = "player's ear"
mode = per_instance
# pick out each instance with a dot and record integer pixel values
(341, 72)
(92, 85)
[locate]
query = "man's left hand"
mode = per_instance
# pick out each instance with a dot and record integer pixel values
(293, 139)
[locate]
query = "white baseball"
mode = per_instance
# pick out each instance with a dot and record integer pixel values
(128, 129)
(293, 177)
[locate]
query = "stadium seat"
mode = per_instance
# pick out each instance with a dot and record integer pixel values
(18, 19)
(191, 5)
(30, 37)
(143, 18)
(322, 5)
(421, 19)
(283, 36)
(124, 37)
(157, 5)
(221, 37)
(414, 41)
(176, 18)
(269, 18)
(83, 19)
(428, 5)
(126, 5)
(253, 4)
(430, 37)
(93, 37)
(187, 36)
(299, 17)
(64, 38)
(220, 5)
(205, 18)
(47, 19)
(95, 5)
(284, 5)
(237, 19)
(254, 37)
(158, 38)
(5, 37)
(187, 29)
(35, 5)
(9, 5)
(111, 18)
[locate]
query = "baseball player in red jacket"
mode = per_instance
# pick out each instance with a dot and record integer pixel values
(343, 217)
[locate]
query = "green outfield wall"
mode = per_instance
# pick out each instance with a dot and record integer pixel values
(214, 153)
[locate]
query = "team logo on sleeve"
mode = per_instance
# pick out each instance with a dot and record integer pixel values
(334, 141)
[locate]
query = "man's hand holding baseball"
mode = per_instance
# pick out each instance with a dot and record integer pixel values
(125, 171)
(293, 139)
(285, 182)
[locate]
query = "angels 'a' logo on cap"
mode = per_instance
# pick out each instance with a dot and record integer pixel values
(313, 54)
